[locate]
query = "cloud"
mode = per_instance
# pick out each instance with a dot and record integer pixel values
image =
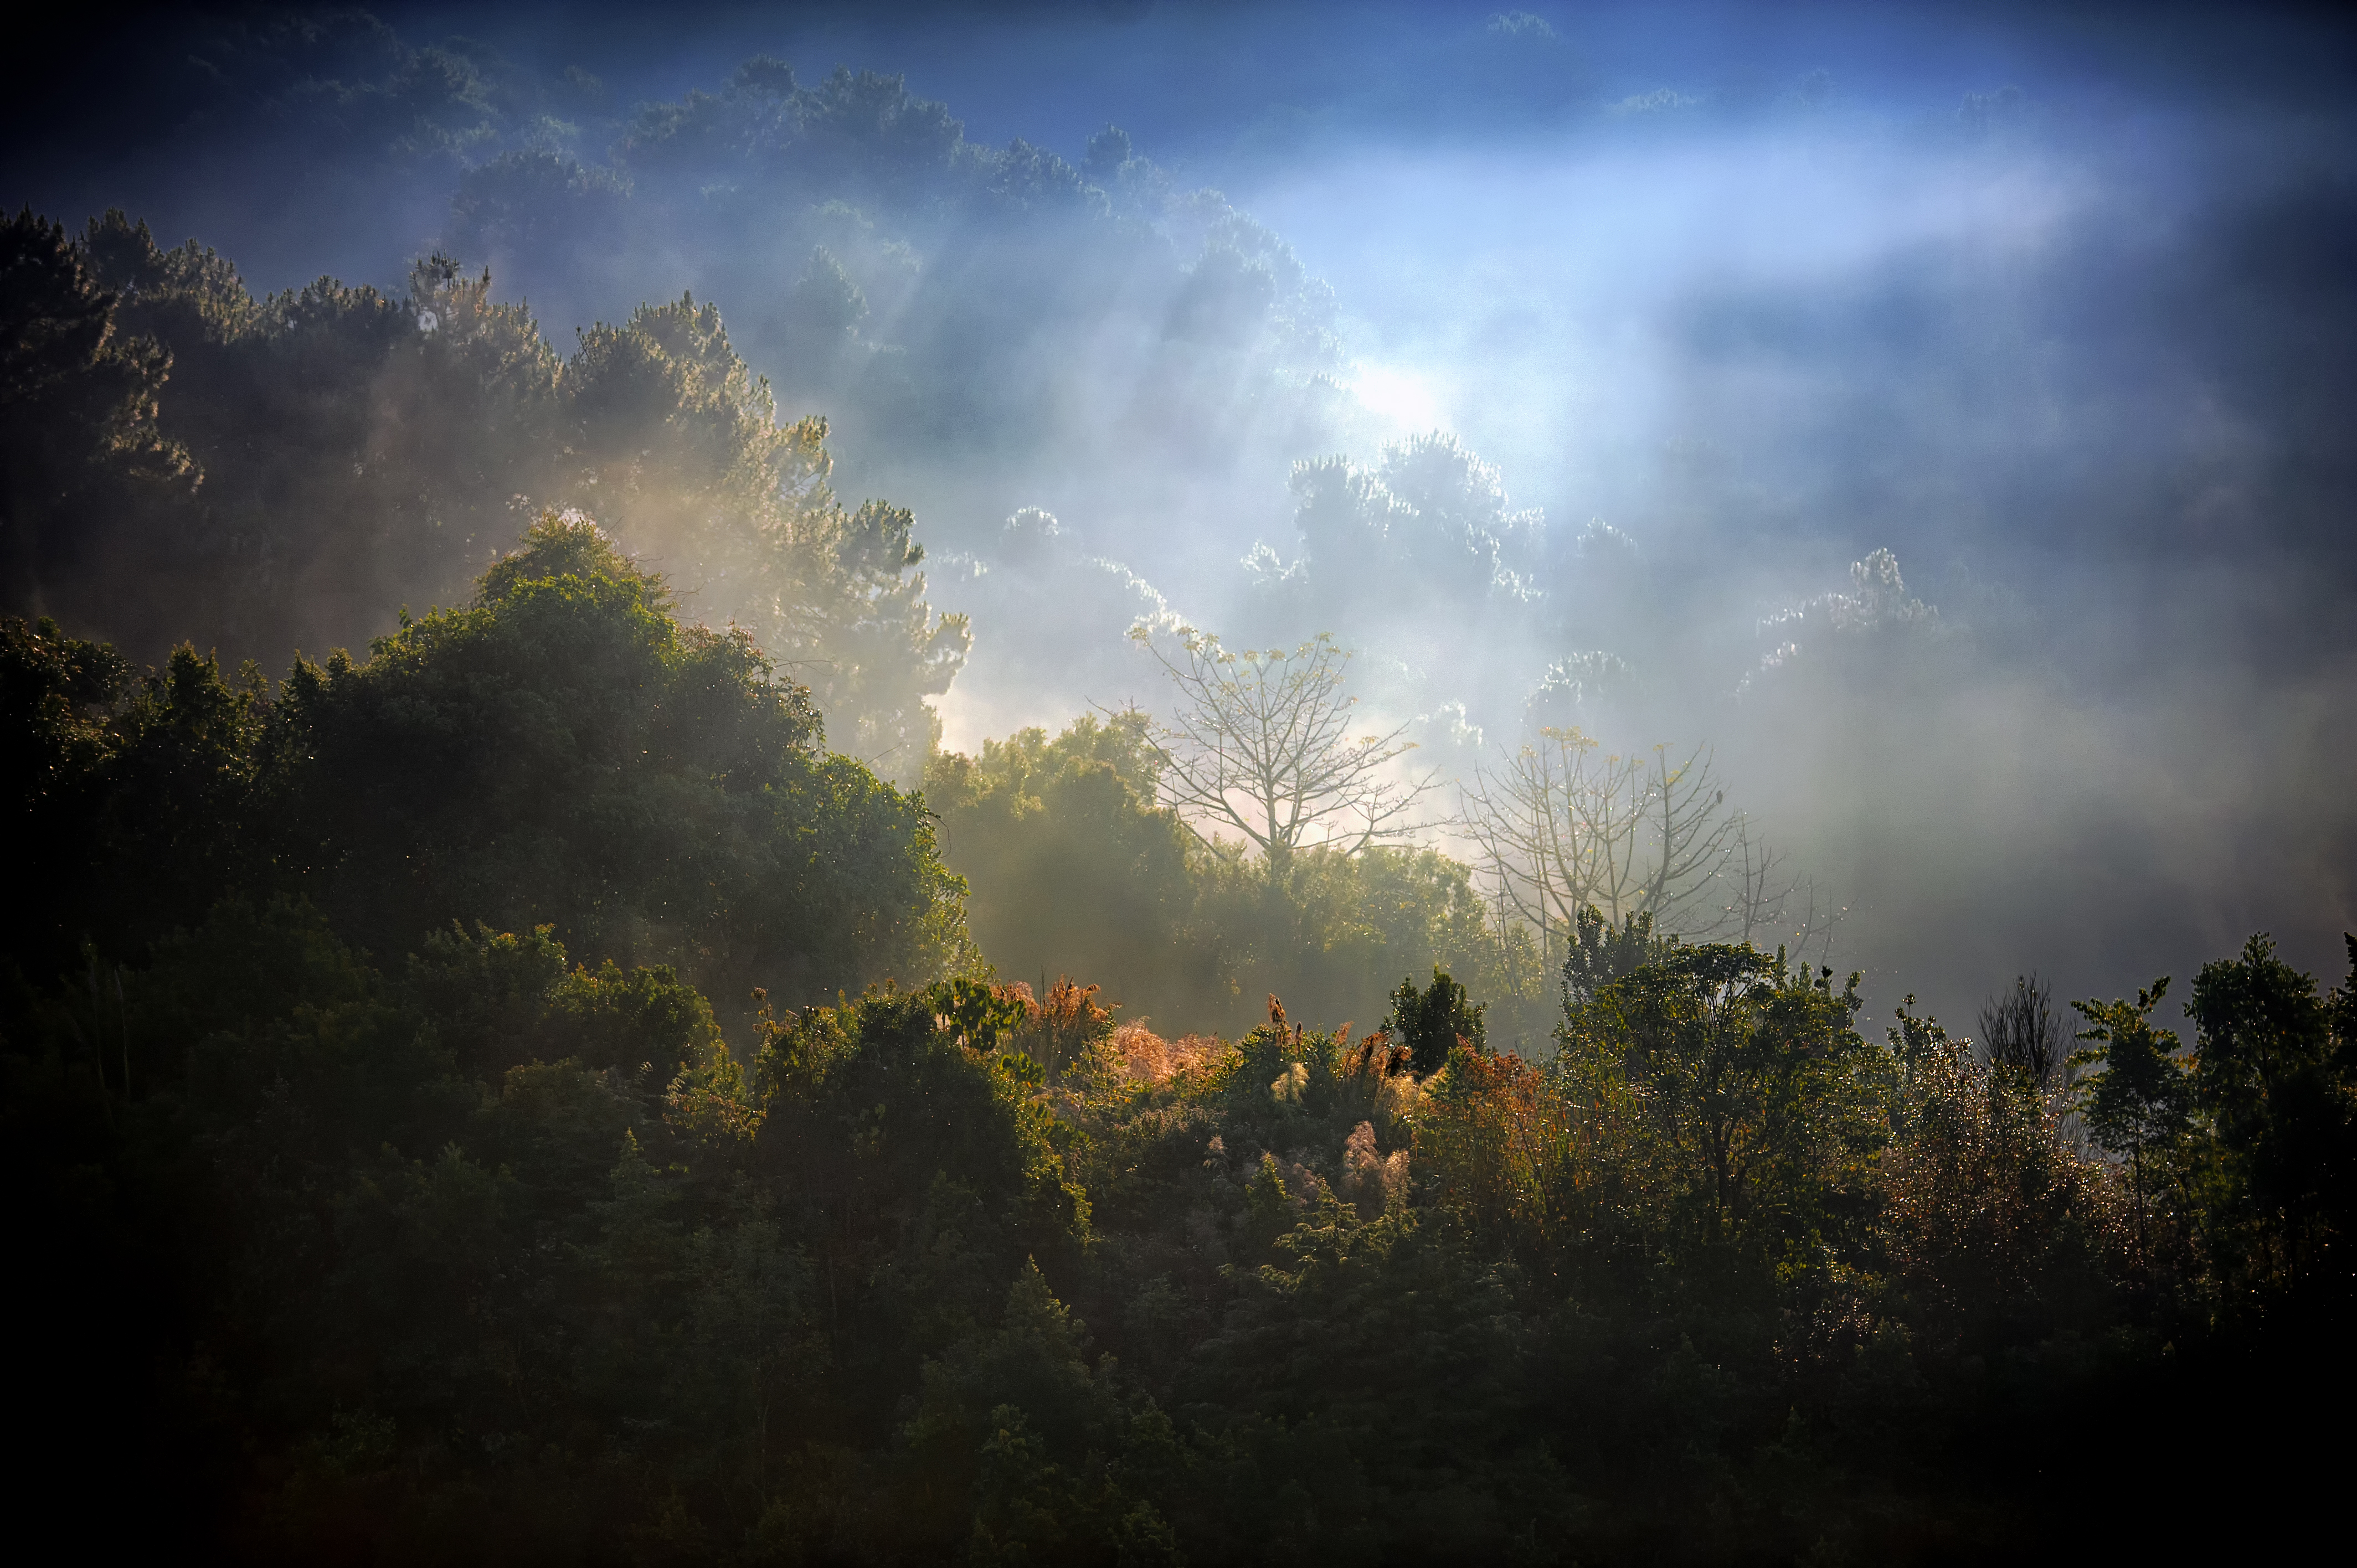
(1522, 26)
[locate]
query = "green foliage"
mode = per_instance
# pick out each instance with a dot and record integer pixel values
(1072, 865)
(2275, 1073)
(136, 798)
(2141, 1098)
(1435, 1021)
(58, 695)
(79, 443)
(1358, 1385)
(504, 1255)
(1996, 1230)
(1074, 868)
(1600, 952)
(2244, 1146)
(396, 1195)
(500, 1000)
(926, 1167)
(1014, 1450)
(411, 436)
(562, 754)
(1760, 1093)
(1332, 941)
(2138, 1104)
(980, 1015)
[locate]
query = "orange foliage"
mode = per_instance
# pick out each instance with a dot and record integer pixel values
(1374, 1056)
(1147, 1057)
(1373, 1181)
(1065, 1028)
(1514, 1154)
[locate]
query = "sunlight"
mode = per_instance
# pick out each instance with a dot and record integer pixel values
(1401, 397)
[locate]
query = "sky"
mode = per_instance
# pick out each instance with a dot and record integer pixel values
(2052, 303)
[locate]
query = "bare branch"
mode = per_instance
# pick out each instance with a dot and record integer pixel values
(1260, 742)
(1562, 826)
(1766, 903)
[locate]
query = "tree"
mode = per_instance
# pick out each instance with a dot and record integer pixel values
(79, 442)
(1992, 1219)
(1261, 744)
(1600, 953)
(1435, 1021)
(564, 750)
(2280, 1090)
(413, 436)
(1754, 1082)
(1429, 510)
(2138, 1102)
(920, 1169)
(1072, 866)
(681, 455)
(57, 696)
(1562, 826)
(1762, 898)
(137, 794)
(2021, 1032)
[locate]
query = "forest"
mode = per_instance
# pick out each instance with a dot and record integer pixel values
(520, 1041)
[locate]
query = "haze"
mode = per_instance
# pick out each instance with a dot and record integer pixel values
(2052, 305)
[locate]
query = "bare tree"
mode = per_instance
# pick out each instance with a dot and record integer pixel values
(1756, 885)
(1261, 743)
(1563, 825)
(1553, 829)
(1765, 902)
(1810, 915)
(2020, 1031)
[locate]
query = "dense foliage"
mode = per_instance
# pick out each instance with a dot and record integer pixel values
(1075, 867)
(562, 753)
(412, 1188)
(413, 439)
(517, 1096)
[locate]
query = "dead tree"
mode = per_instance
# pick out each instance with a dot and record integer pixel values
(1261, 742)
(1564, 826)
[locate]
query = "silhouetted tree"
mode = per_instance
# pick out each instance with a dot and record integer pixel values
(2139, 1101)
(2021, 1032)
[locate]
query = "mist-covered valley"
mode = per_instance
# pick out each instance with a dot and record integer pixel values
(1311, 640)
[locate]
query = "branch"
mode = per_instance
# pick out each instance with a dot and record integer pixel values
(1260, 742)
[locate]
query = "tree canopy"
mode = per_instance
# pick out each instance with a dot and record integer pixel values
(516, 1093)
(414, 438)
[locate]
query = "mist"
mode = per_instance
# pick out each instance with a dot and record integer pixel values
(2053, 306)
(1158, 782)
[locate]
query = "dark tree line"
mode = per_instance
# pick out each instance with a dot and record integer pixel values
(407, 1180)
